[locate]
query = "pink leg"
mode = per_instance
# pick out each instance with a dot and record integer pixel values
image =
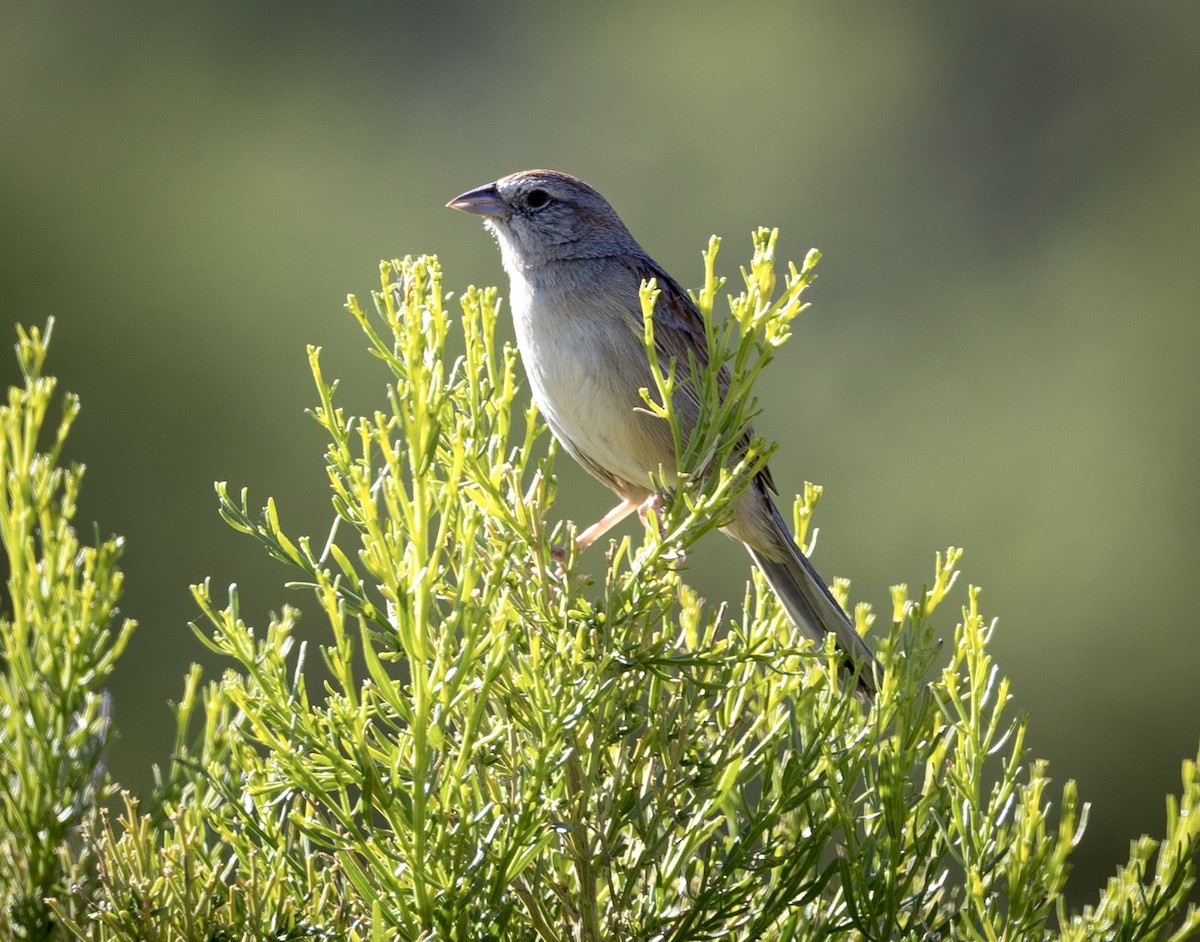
(610, 520)
(605, 523)
(653, 502)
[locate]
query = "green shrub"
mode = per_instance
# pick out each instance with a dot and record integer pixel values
(501, 750)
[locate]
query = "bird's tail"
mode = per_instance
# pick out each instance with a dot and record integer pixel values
(812, 607)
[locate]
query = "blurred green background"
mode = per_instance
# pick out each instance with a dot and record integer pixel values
(1001, 354)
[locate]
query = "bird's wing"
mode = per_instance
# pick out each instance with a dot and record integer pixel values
(679, 335)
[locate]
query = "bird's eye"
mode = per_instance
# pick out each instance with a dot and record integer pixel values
(537, 199)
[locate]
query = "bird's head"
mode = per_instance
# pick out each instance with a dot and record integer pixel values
(541, 216)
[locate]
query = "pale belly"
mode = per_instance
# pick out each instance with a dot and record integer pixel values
(585, 381)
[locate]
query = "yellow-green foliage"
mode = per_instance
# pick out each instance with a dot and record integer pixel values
(58, 645)
(502, 750)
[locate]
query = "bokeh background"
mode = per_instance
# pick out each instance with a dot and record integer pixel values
(1001, 354)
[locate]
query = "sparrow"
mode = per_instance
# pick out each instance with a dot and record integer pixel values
(575, 273)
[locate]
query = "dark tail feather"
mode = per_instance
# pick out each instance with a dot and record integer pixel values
(811, 606)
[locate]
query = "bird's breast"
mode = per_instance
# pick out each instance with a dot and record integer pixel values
(586, 365)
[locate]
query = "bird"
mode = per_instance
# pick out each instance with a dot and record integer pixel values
(575, 272)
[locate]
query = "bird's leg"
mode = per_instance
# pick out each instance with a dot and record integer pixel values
(589, 536)
(597, 529)
(654, 503)
(604, 524)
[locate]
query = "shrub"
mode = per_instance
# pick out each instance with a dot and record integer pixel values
(494, 748)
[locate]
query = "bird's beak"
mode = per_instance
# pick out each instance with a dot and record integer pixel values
(482, 201)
